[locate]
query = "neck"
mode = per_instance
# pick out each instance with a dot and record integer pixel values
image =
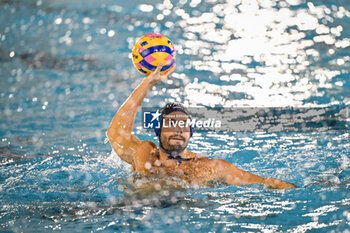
(174, 159)
(163, 155)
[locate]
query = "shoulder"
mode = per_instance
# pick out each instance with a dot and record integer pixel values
(213, 161)
(146, 143)
(221, 166)
(191, 154)
(216, 164)
(144, 148)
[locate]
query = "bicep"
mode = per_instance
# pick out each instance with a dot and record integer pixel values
(232, 175)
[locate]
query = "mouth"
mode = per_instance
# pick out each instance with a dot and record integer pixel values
(177, 138)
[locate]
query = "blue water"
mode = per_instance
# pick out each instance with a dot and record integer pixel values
(65, 69)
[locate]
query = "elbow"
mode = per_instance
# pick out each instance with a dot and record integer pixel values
(116, 134)
(108, 132)
(116, 130)
(111, 133)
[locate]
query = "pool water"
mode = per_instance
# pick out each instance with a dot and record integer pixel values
(65, 69)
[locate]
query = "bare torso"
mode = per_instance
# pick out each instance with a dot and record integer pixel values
(197, 171)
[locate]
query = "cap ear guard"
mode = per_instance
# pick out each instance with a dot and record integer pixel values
(157, 131)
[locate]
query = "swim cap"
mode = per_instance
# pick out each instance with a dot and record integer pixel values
(169, 108)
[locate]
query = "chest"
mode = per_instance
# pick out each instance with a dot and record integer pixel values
(193, 172)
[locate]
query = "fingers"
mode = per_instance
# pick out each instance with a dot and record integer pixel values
(162, 77)
(159, 67)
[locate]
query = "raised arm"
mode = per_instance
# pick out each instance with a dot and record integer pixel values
(119, 132)
(235, 176)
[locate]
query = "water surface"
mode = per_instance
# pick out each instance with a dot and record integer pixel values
(65, 69)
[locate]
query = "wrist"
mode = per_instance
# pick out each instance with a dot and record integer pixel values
(147, 82)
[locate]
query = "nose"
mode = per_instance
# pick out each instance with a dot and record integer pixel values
(178, 129)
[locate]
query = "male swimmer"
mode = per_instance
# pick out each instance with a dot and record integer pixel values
(171, 158)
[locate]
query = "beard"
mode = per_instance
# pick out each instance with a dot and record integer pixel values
(177, 147)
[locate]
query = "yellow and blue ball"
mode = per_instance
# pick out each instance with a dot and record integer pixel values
(150, 50)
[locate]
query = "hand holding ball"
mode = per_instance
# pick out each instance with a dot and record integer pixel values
(152, 49)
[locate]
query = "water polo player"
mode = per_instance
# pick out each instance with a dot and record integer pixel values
(172, 158)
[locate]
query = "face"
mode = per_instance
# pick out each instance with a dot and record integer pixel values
(175, 133)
